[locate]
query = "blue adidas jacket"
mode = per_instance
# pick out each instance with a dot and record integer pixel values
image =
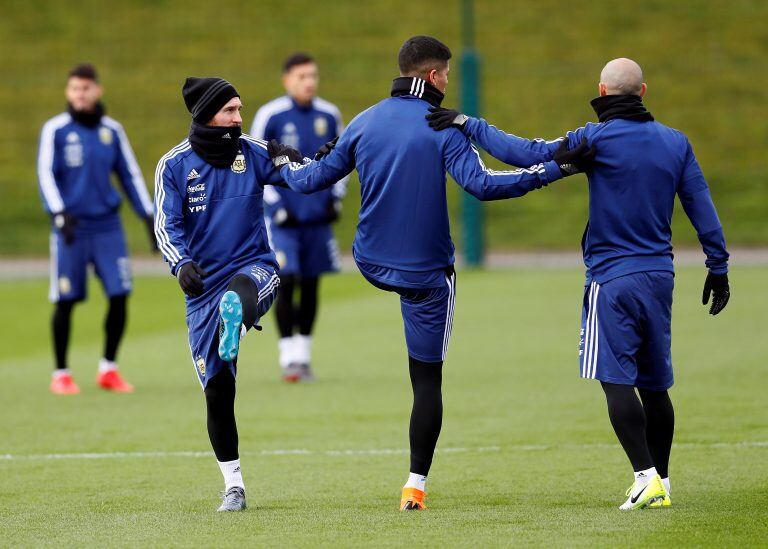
(402, 162)
(213, 216)
(306, 129)
(638, 170)
(75, 164)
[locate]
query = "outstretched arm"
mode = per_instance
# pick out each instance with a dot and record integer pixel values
(310, 176)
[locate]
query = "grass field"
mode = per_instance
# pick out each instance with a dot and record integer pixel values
(527, 455)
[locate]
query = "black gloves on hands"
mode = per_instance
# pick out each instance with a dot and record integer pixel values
(282, 154)
(326, 149)
(190, 277)
(576, 160)
(717, 285)
(149, 221)
(65, 224)
(441, 119)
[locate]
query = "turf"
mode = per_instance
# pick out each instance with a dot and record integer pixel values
(527, 454)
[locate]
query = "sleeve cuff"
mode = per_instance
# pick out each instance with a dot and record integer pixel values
(552, 171)
(175, 268)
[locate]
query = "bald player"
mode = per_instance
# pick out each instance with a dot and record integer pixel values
(640, 166)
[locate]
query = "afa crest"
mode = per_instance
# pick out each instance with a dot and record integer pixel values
(238, 166)
(321, 126)
(105, 135)
(200, 363)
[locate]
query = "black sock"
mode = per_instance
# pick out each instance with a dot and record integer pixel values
(427, 412)
(114, 325)
(307, 304)
(60, 328)
(222, 429)
(248, 292)
(628, 420)
(661, 427)
(284, 313)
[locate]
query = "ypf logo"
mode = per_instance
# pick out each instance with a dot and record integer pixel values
(200, 363)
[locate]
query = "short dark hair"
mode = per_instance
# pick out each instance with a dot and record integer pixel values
(84, 70)
(421, 53)
(296, 59)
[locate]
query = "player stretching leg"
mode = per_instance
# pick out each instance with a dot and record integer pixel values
(626, 319)
(300, 225)
(403, 243)
(79, 151)
(210, 229)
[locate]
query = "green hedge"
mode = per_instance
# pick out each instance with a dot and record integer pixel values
(705, 63)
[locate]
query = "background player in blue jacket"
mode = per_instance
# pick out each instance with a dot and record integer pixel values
(641, 165)
(403, 242)
(300, 225)
(210, 229)
(79, 151)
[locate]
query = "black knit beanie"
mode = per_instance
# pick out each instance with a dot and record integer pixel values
(205, 96)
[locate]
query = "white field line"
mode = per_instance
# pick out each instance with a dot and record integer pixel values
(371, 452)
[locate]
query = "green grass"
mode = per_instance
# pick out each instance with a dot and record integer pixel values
(535, 460)
(705, 62)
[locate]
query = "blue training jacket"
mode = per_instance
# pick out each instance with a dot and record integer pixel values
(75, 164)
(306, 129)
(213, 216)
(638, 170)
(402, 162)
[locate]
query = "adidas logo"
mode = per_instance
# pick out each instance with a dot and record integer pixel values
(226, 136)
(193, 174)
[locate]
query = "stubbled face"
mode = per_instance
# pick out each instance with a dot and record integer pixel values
(83, 93)
(439, 78)
(229, 114)
(301, 82)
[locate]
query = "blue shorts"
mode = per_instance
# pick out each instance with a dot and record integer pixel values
(105, 250)
(427, 315)
(203, 323)
(626, 331)
(308, 250)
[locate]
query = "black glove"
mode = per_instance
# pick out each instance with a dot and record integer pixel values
(190, 277)
(283, 218)
(441, 119)
(326, 149)
(65, 224)
(718, 286)
(282, 154)
(333, 211)
(149, 221)
(576, 160)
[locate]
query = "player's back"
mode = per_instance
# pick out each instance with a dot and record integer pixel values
(638, 169)
(403, 214)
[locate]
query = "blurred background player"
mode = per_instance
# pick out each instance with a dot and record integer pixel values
(626, 333)
(403, 242)
(79, 151)
(300, 225)
(210, 228)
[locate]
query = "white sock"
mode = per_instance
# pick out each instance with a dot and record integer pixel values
(644, 477)
(303, 346)
(285, 346)
(61, 372)
(416, 481)
(107, 366)
(665, 482)
(232, 474)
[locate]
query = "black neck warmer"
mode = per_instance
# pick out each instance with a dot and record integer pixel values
(217, 145)
(413, 85)
(626, 107)
(89, 119)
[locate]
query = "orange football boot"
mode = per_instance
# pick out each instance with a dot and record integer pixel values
(412, 499)
(63, 384)
(111, 381)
